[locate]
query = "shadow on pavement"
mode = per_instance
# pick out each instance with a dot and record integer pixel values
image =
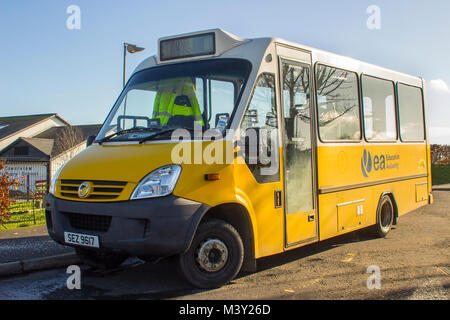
(315, 248)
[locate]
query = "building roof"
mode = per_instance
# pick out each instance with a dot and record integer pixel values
(36, 150)
(86, 131)
(55, 132)
(48, 142)
(15, 124)
(43, 145)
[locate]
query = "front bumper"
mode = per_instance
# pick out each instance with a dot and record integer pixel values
(150, 227)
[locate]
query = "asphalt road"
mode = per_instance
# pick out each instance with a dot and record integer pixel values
(28, 243)
(413, 263)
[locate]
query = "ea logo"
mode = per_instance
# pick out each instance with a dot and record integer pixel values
(378, 163)
(84, 190)
(366, 163)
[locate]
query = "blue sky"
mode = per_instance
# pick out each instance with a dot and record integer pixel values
(46, 68)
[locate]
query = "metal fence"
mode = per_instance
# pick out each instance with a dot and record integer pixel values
(26, 202)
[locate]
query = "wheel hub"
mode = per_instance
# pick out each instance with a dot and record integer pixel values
(386, 216)
(212, 255)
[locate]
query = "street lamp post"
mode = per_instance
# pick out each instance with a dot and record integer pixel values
(131, 48)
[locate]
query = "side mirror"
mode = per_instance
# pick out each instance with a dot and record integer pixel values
(222, 118)
(90, 140)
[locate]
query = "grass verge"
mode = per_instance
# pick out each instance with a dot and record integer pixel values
(27, 219)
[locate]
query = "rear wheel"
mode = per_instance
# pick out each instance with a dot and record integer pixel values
(385, 216)
(214, 257)
(100, 260)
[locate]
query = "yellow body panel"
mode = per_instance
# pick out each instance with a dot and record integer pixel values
(237, 185)
(298, 228)
(348, 199)
(342, 165)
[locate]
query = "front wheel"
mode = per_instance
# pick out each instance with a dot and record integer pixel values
(385, 217)
(214, 257)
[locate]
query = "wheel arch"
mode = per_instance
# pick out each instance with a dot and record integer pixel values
(238, 216)
(390, 194)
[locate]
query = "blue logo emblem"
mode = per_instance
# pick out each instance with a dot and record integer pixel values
(366, 163)
(377, 163)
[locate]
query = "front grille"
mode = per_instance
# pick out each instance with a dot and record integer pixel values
(102, 190)
(89, 222)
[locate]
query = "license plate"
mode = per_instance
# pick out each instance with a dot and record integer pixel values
(81, 239)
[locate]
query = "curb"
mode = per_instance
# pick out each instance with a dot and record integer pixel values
(443, 187)
(25, 266)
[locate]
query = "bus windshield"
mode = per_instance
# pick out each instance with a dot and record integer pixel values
(161, 99)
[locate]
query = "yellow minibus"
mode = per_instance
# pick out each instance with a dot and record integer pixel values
(222, 150)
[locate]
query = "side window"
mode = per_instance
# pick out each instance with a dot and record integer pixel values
(220, 100)
(296, 102)
(262, 111)
(199, 92)
(338, 104)
(297, 137)
(379, 109)
(21, 151)
(260, 119)
(410, 109)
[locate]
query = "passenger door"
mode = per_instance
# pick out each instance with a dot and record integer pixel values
(300, 211)
(262, 158)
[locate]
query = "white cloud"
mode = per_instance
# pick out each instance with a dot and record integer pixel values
(439, 111)
(439, 85)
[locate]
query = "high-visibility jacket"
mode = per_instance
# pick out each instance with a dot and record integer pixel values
(176, 97)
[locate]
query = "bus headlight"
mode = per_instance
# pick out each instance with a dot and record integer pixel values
(158, 183)
(52, 188)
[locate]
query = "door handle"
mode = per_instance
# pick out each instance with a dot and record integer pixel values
(278, 199)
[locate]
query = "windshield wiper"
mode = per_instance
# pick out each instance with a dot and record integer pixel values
(157, 134)
(118, 133)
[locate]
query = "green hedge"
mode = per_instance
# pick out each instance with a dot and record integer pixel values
(440, 175)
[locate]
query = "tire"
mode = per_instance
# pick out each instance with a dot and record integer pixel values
(214, 257)
(100, 260)
(385, 216)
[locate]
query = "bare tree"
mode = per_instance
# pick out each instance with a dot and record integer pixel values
(295, 82)
(67, 138)
(330, 83)
(440, 154)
